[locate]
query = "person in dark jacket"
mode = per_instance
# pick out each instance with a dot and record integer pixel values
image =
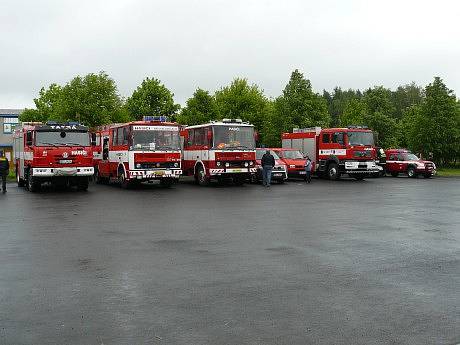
(267, 162)
(4, 170)
(307, 169)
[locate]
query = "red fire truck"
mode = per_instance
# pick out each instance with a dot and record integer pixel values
(59, 153)
(219, 150)
(336, 151)
(138, 151)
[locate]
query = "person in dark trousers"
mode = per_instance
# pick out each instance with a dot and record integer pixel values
(268, 162)
(307, 169)
(4, 170)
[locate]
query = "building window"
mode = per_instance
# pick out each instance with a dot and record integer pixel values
(7, 128)
(10, 120)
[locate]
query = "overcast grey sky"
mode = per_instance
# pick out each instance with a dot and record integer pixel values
(189, 44)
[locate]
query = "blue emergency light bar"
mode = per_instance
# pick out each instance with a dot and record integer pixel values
(156, 118)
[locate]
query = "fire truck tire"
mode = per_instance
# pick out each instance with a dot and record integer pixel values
(411, 172)
(19, 180)
(33, 184)
(394, 174)
(333, 171)
(83, 183)
(200, 176)
(99, 179)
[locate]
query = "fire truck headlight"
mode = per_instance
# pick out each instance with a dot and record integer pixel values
(138, 166)
(218, 164)
(227, 164)
(246, 164)
(176, 165)
(158, 165)
(251, 163)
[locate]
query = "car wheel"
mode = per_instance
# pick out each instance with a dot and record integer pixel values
(411, 172)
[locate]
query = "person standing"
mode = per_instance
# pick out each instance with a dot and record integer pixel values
(307, 169)
(268, 162)
(4, 170)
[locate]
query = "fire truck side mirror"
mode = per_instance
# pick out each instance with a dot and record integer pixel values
(29, 139)
(256, 136)
(93, 139)
(209, 136)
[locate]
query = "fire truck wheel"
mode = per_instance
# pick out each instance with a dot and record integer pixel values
(19, 180)
(201, 177)
(333, 171)
(33, 185)
(83, 183)
(411, 172)
(100, 179)
(122, 179)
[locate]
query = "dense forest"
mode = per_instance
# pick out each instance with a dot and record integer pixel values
(423, 119)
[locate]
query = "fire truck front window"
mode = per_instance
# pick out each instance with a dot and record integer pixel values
(234, 137)
(61, 138)
(360, 138)
(292, 154)
(153, 140)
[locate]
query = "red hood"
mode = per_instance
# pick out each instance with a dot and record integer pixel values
(289, 161)
(157, 157)
(236, 155)
(277, 162)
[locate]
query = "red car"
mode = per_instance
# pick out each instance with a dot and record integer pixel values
(294, 160)
(279, 173)
(404, 161)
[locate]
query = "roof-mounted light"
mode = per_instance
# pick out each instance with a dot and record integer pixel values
(156, 118)
(232, 121)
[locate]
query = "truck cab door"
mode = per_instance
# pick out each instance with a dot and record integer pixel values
(402, 163)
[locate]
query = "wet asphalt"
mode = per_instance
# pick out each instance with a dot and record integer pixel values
(347, 262)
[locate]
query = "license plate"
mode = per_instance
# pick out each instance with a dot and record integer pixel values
(65, 161)
(277, 175)
(237, 170)
(302, 172)
(160, 173)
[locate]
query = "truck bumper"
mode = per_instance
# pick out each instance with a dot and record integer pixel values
(55, 172)
(154, 174)
(232, 171)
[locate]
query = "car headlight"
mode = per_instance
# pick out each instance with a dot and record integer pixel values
(138, 166)
(246, 164)
(227, 164)
(218, 164)
(421, 165)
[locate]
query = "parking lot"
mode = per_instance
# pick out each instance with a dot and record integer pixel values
(346, 262)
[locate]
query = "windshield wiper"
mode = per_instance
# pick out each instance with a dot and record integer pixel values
(167, 148)
(55, 145)
(73, 144)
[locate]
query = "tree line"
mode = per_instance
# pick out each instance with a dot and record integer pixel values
(425, 120)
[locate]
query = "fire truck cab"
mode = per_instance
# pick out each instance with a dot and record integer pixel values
(219, 150)
(138, 151)
(336, 151)
(59, 153)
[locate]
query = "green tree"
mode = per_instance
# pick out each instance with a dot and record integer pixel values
(47, 105)
(337, 102)
(299, 106)
(379, 99)
(200, 108)
(244, 101)
(151, 98)
(354, 113)
(92, 100)
(406, 96)
(436, 127)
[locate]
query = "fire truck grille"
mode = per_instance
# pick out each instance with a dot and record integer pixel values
(61, 160)
(159, 165)
(235, 164)
(429, 166)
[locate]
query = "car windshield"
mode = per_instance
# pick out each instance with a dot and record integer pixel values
(361, 138)
(292, 154)
(410, 157)
(260, 153)
(234, 137)
(156, 138)
(65, 138)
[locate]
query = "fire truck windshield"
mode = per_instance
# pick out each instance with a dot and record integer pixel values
(234, 137)
(292, 154)
(156, 140)
(361, 138)
(65, 138)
